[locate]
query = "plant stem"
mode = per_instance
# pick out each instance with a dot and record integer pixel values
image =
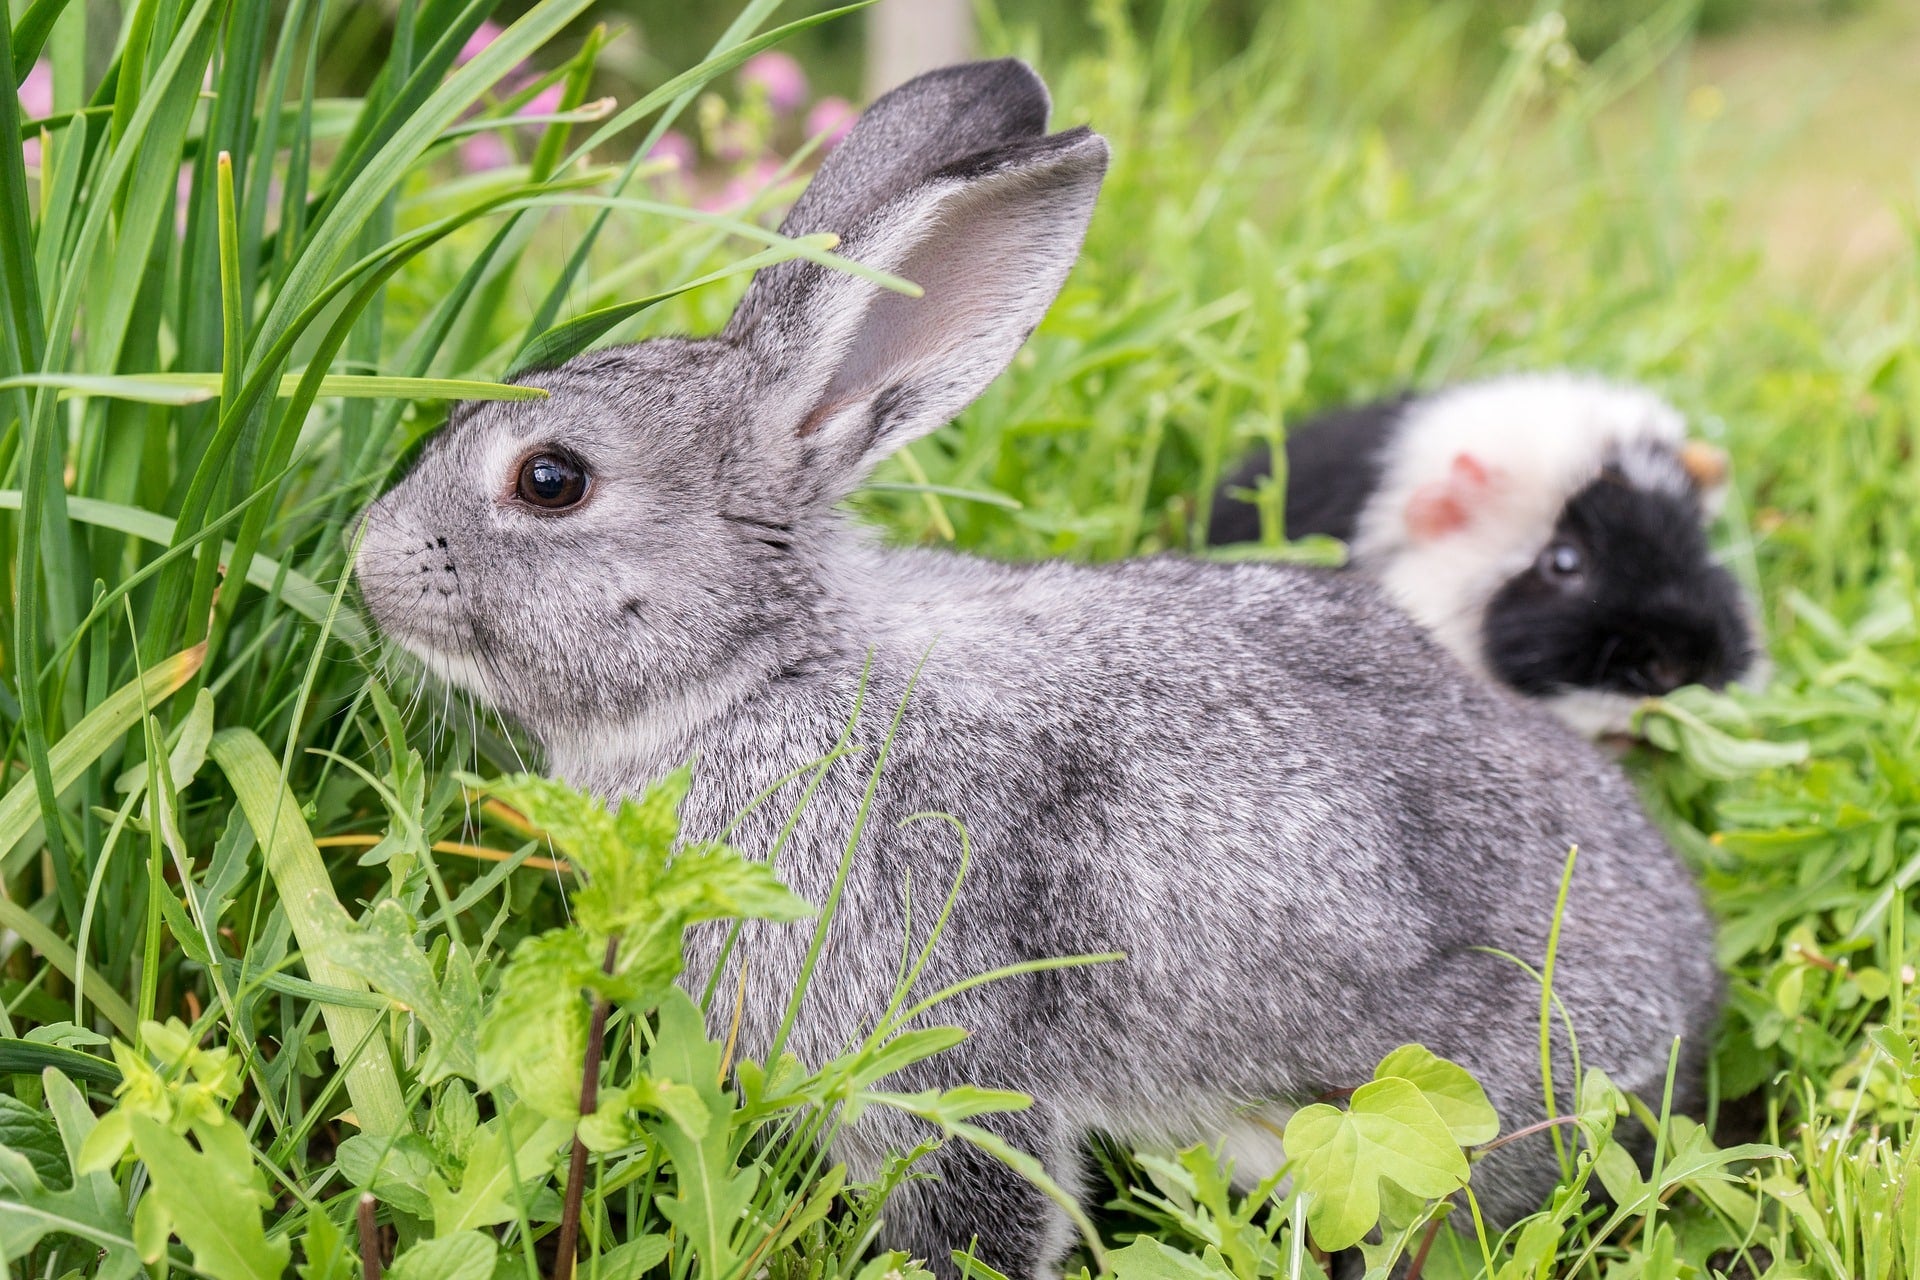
(369, 1237)
(1419, 1263)
(577, 1161)
(1540, 1126)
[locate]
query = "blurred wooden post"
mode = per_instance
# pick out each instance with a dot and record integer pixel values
(906, 37)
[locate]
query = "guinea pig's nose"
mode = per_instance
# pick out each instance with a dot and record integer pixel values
(1665, 674)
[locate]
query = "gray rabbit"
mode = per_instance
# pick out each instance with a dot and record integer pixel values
(1303, 823)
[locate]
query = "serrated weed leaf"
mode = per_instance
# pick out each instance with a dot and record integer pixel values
(535, 1030)
(509, 1153)
(712, 1190)
(380, 949)
(212, 1199)
(1389, 1131)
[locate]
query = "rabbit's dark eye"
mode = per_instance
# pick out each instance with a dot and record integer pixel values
(551, 481)
(1561, 563)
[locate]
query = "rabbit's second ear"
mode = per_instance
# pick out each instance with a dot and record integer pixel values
(846, 372)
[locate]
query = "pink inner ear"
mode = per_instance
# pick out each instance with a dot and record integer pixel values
(1445, 506)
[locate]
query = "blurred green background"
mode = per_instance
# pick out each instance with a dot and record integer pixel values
(1819, 100)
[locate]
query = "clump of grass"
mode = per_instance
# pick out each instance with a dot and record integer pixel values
(234, 849)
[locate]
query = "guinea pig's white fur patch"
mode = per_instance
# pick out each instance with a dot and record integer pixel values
(1532, 440)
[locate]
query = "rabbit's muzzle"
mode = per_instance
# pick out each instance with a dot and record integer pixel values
(410, 580)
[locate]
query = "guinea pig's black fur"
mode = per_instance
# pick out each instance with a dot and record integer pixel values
(1341, 451)
(1647, 612)
(1551, 529)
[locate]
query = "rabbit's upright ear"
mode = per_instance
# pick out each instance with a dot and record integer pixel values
(951, 182)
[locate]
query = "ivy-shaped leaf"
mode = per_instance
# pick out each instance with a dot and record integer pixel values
(1389, 1131)
(1454, 1093)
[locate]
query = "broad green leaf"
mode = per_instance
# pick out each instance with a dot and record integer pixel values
(579, 826)
(1673, 726)
(1455, 1094)
(638, 887)
(711, 1190)
(212, 1199)
(30, 1132)
(629, 1261)
(454, 1120)
(1389, 1131)
(681, 1104)
(949, 1107)
(535, 1029)
(1598, 1105)
(96, 1193)
(1693, 1157)
(92, 1210)
(395, 1170)
(903, 1050)
(465, 1255)
(324, 1248)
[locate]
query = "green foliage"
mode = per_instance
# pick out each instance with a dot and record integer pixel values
(246, 268)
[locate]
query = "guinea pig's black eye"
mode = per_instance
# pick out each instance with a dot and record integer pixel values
(551, 481)
(1562, 562)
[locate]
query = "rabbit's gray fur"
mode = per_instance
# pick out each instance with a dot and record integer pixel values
(1302, 822)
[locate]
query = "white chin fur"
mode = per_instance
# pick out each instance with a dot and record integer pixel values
(451, 668)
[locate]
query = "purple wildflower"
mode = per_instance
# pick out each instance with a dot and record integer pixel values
(482, 151)
(832, 117)
(779, 77)
(485, 34)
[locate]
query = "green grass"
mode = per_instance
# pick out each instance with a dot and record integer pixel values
(1347, 200)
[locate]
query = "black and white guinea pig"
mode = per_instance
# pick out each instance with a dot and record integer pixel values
(1549, 528)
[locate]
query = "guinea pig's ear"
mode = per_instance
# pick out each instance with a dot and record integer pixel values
(1707, 466)
(1447, 505)
(843, 371)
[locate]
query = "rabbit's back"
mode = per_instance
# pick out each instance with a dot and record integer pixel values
(1302, 848)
